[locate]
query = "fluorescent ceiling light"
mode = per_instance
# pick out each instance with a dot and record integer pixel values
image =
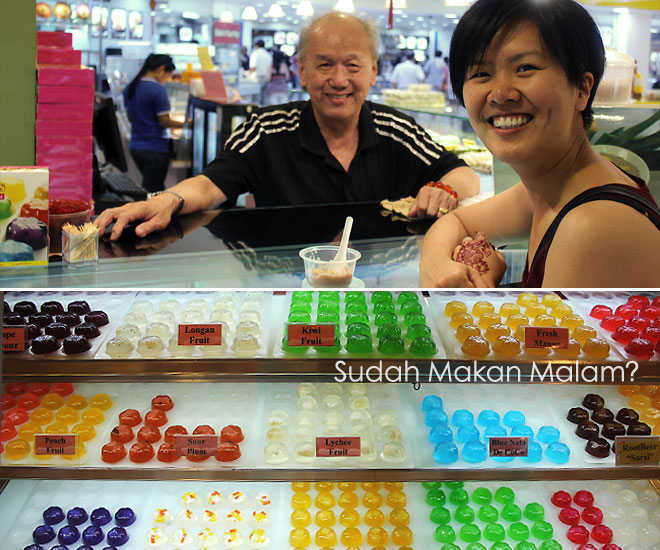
(227, 16)
(190, 15)
(305, 9)
(345, 6)
(450, 16)
(249, 14)
(620, 10)
(275, 10)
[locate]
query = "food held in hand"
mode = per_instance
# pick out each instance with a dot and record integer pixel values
(44, 344)
(141, 452)
(30, 231)
(113, 452)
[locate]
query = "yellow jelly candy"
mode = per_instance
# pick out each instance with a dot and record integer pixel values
(650, 390)
(80, 451)
(466, 330)
(632, 389)
(488, 318)
(325, 536)
(374, 518)
(481, 307)
(13, 189)
(508, 308)
(455, 307)
(550, 300)
(571, 352)
(650, 415)
(506, 346)
(78, 402)
(396, 499)
(301, 518)
(93, 416)
(582, 333)
(402, 536)
(494, 331)
(639, 402)
(300, 486)
(371, 499)
(17, 449)
(460, 318)
(299, 538)
(101, 401)
(656, 430)
(42, 416)
(393, 485)
(67, 414)
(476, 346)
(370, 485)
(544, 320)
(526, 299)
(561, 310)
(57, 427)
(324, 500)
(534, 310)
(597, 348)
(325, 518)
(538, 352)
(349, 518)
(348, 500)
(26, 431)
(377, 536)
(85, 431)
(347, 486)
(324, 485)
(516, 320)
(300, 501)
(52, 401)
(351, 536)
(571, 321)
(399, 517)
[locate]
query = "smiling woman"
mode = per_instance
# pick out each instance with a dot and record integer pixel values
(527, 72)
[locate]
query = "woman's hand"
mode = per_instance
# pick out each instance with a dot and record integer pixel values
(446, 273)
(432, 202)
(479, 255)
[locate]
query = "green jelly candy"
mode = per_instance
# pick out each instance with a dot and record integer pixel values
(418, 331)
(450, 546)
(436, 497)
(327, 317)
(414, 319)
(302, 296)
(488, 513)
(301, 306)
(482, 495)
(355, 296)
(300, 317)
(385, 319)
(431, 484)
(518, 531)
(384, 307)
(511, 512)
(526, 545)
(454, 484)
(542, 530)
(411, 307)
(494, 532)
(384, 330)
(407, 296)
(355, 307)
(534, 511)
(501, 546)
(359, 343)
(551, 544)
(423, 347)
(293, 349)
(381, 296)
(391, 345)
(464, 514)
(440, 515)
(470, 533)
(505, 495)
(329, 349)
(475, 546)
(357, 317)
(329, 296)
(358, 328)
(328, 306)
(458, 497)
(445, 533)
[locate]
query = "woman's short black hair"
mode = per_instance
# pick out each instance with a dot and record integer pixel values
(568, 33)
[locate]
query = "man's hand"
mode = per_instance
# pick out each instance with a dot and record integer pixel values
(432, 202)
(478, 254)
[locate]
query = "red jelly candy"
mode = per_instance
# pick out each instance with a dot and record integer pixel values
(569, 516)
(586, 547)
(650, 312)
(578, 534)
(39, 388)
(7, 401)
(592, 515)
(155, 418)
(625, 334)
(122, 434)
(172, 431)
(639, 323)
(17, 416)
(583, 498)
(638, 301)
(15, 388)
(166, 453)
(130, 417)
(652, 334)
(63, 388)
(611, 546)
(600, 311)
(639, 348)
(141, 452)
(112, 452)
(28, 401)
(602, 534)
(228, 452)
(657, 347)
(162, 403)
(7, 432)
(656, 301)
(231, 433)
(148, 434)
(626, 311)
(612, 322)
(205, 429)
(561, 499)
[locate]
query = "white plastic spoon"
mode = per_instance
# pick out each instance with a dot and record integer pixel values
(343, 246)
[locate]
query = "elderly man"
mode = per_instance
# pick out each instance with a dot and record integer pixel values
(334, 148)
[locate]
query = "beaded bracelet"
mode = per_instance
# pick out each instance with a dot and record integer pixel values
(446, 188)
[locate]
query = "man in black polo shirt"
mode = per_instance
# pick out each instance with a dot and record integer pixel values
(336, 147)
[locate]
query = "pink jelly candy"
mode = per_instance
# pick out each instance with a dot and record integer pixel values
(578, 534)
(586, 547)
(561, 499)
(638, 301)
(602, 534)
(625, 333)
(652, 334)
(569, 516)
(612, 322)
(611, 546)
(600, 311)
(639, 348)
(626, 311)
(583, 498)
(592, 515)
(640, 323)
(650, 312)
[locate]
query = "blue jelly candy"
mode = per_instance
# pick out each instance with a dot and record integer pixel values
(462, 417)
(488, 418)
(467, 433)
(495, 431)
(441, 433)
(125, 517)
(523, 431)
(547, 434)
(431, 402)
(445, 453)
(100, 517)
(513, 419)
(117, 536)
(53, 515)
(68, 534)
(534, 452)
(474, 451)
(43, 534)
(76, 516)
(435, 417)
(93, 535)
(558, 453)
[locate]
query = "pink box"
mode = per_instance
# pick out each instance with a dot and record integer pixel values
(71, 184)
(55, 111)
(47, 128)
(55, 39)
(65, 163)
(62, 76)
(65, 94)
(58, 56)
(68, 146)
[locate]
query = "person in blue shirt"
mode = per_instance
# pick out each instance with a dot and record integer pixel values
(148, 109)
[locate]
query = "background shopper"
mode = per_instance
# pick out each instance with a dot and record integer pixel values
(277, 89)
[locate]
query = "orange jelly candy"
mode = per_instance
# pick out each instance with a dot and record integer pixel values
(42, 416)
(399, 517)
(481, 307)
(301, 518)
(57, 427)
(299, 538)
(571, 352)
(630, 390)
(374, 518)
(324, 500)
(52, 401)
(597, 348)
(349, 518)
(348, 500)
(582, 333)
(476, 346)
(228, 452)
(639, 402)
(466, 330)
(460, 318)
(516, 320)
(85, 431)
(377, 536)
(300, 501)
(77, 402)
(488, 318)
(325, 518)
(396, 499)
(455, 307)
(300, 486)
(325, 536)
(351, 537)
(494, 331)
(93, 416)
(67, 414)
(508, 308)
(371, 499)
(101, 401)
(571, 321)
(650, 415)
(347, 485)
(17, 449)
(651, 390)
(402, 536)
(26, 431)
(113, 452)
(506, 346)
(393, 485)
(534, 310)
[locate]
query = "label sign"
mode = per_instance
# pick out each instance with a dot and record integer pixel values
(546, 337)
(337, 446)
(195, 445)
(226, 33)
(200, 335)
(642, 450)
(508, 446)
(14, 338)
(311, 335)
(54, 444)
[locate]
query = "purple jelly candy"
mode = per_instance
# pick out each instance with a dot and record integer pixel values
(100, 517)
(117, 536)
(93, 535)
(68, 535)
(30, 231)
(53, 515)
(34, 547)
(43, 534)
(77, 516)
(125, 517)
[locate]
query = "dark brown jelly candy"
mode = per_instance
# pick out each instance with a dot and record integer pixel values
(587, 430)
(639, 429)
(627, 416)
(42, 320)
(58, 330)
(611, 429)
(25, 308)
(52, 308)
(79, 307)
(14, 319)
(598, 447)
(577, 415)
(6, 308)
(70, 319)
(33, 331)
(88, 330)
(75, 344)
(593, 401)
(45, 344)
(99, 318)
(601, 416)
